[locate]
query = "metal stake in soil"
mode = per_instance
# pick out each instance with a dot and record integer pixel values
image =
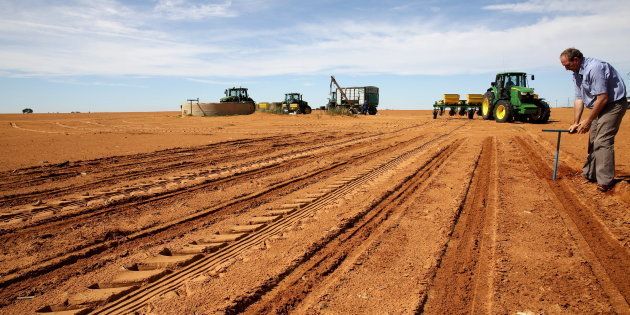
(555, 162)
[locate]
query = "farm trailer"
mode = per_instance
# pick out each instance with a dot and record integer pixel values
(356, 100)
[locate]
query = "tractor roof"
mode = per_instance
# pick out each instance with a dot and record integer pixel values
(511, 73)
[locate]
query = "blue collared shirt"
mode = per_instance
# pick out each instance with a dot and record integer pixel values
(598, 77)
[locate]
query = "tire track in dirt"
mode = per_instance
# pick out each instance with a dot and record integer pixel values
(26, 278)
(482, 299)
(25, 176)
(135, 196)
(284, 293)
(51, 210)
(88, 251)
(137, 166)
(457, 276)
(235, 173)
(135, 301)
(34, 175)
(139, 169)
(610, 254)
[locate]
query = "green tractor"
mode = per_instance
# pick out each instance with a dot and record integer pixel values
(293, 103)
(509, 98)
(236, 95)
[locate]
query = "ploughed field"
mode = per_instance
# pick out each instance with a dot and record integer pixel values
(117, 213)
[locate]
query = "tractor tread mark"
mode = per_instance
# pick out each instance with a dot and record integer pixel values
(286, 292)
(138, 299)
(609, 253)
(459, 261)
(72, 257)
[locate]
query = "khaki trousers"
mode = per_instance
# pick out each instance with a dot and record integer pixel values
(600, 162)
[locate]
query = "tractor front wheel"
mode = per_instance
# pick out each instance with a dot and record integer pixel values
(503, 112)
(487, 109)
(435, 113)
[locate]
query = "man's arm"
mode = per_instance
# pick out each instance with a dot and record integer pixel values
(598, 106)
(578, 108)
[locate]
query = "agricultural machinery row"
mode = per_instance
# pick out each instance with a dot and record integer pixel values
(508, 99)
(348, 100)
(237, 101)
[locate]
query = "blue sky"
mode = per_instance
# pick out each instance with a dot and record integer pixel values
(82, 55)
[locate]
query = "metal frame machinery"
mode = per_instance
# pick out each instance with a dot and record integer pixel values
(455, 106)
(357, 100)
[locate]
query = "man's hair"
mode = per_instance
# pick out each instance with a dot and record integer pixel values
(571, 53)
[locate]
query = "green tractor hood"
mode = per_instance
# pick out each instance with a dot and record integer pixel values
(524, 97)
(522, 89)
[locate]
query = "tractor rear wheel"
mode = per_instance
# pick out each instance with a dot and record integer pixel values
(307, 109)
(487, 109)
(503, 112)
(372, 110)
(542, 115)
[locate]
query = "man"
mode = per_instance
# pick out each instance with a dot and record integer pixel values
(509, 84)
(600, 88)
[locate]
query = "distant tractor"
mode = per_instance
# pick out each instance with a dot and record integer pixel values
(235, 102)
(356, 100)
(27, 111)
(236, 95)
(293, 103)
(509, 98)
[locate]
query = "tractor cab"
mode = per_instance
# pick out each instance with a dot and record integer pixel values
(236, 92)
(292, 98)
(505, 81)
(293, 103)
(236, 95)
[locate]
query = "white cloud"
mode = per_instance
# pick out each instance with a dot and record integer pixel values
(184, 10)
(547, 6)
(107, 38)
(84, 82)
(211, 82)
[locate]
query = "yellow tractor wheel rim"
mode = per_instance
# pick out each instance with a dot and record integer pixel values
(485, 106)
(500, 112)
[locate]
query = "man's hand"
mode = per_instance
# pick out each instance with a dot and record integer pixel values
(573, 128)
(584, 126)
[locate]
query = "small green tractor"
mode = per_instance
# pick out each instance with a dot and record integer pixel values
(509, 98)
(293, 103)
(236, 95)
